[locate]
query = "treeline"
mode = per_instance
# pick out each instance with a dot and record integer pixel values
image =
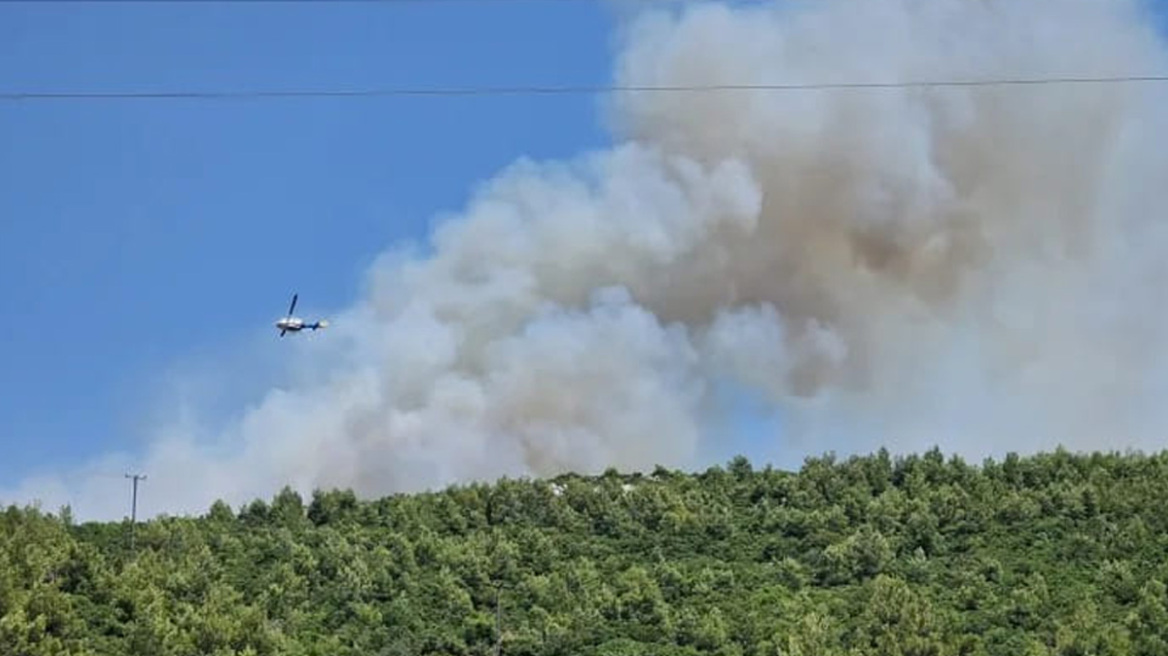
(924, 556)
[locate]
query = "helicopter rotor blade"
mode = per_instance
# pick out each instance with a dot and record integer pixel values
(292, 308)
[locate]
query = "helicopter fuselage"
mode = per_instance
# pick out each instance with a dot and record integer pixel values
(293, 324)
(296, 324)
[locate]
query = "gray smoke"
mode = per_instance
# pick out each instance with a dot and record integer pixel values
(974, 267)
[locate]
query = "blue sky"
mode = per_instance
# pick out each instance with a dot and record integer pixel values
(140, 234)
(137, 236)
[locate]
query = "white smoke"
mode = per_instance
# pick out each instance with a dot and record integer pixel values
(974, 267)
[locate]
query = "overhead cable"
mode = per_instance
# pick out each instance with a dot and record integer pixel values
(12, 96)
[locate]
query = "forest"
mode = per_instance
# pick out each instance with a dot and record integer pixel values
(917, 555)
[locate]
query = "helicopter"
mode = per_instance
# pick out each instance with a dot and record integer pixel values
(295, 324)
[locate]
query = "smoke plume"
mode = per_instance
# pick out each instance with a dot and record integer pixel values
(974, 267)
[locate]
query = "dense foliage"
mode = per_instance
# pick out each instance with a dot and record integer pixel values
(1052, 554)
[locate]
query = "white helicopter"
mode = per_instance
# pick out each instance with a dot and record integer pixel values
(294, 324)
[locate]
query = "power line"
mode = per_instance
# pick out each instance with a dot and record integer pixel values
(16, 96)
(434, 2)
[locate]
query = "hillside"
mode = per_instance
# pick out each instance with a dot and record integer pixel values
(925, 555)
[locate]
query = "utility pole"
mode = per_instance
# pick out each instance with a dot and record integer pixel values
(134, 505)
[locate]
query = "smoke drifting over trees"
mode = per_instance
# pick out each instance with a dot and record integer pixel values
(977, 267)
